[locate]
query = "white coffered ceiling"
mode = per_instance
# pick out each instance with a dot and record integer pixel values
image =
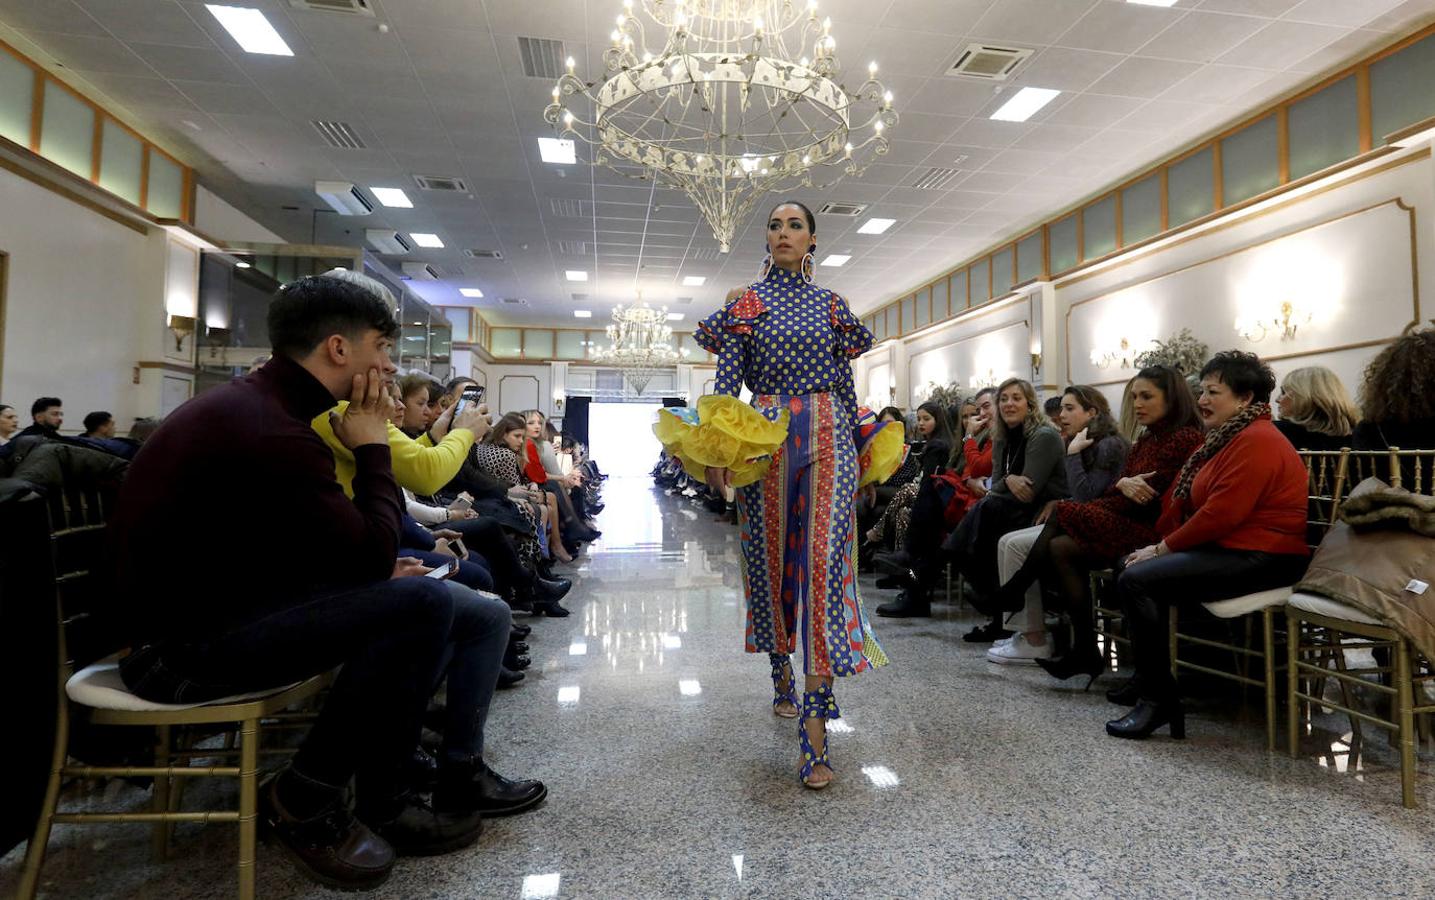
(440, 91)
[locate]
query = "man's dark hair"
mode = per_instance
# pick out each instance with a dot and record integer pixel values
(1243, 373)
(43, 404)
(143, 428)
(307, 311)
(454, 383)
(96, 420)
(1052, 406)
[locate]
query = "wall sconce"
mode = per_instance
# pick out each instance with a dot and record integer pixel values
(558, 400)
(1104, 357)
(181, 327)
(1284, 320)
(1036, 362)
(216, 338)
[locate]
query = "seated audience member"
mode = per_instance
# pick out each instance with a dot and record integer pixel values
(277, 616)
(143, 428)
(47, 414)
(941, 503)
(1095, 454)
(1081, 536)
(99, 425)
(1126, 422)
(931, 447)
(556, 484)
(1028, 471)
(497, 456)
(1052, 408)
(452, 390)
(1315, 410)
(416, 392)
(1398, 396)
(9, 423)
(100, 434)
(1234, 523)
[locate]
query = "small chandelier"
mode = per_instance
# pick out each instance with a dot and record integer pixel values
(737, 98)
(640, 344)
(1283, 320)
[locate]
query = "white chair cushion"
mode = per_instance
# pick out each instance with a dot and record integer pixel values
(99, 686)
(1236, 607)
(1333, 609)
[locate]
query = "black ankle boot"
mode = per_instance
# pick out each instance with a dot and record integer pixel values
(910, 604)
(1148, 716)
(415, 828)
(473, 786)
(1125, 694)
(1074, 664)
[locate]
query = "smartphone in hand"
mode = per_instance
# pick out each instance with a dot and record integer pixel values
(442, 573)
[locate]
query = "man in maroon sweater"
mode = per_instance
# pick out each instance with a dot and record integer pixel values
(291, 579)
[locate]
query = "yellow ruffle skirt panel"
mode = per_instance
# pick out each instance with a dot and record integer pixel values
(723, 432)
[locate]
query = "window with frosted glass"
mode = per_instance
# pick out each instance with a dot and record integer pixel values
(1324, 128)
(1190, 186)
(17, 96)
(924, 308)
(1140, 211)
(909, 314)
(166, 184)
(1098, 228)
(1250, 164)
(1001, 272)
(893, 326)
(414, 336)
(440, 342)
(67, 131)
(959, 291)
(1400, 93)
(570, 345)
(879, 326)
(506, 342)
(981, 281)
(121, 159)
(538, 344)
(1028, 257)
(941, 291)
(1062, 235)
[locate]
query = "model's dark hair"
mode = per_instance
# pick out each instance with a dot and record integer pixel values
(811, 219)
(1180, 405)
(1243, 373)
(43, 404)
(307, 311)
(1400, 382)
(96, 420)
(943, 431)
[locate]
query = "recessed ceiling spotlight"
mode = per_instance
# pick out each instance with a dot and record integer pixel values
(475, 293)
(875, 226)
(576, 275)
(582, 314)
(392, 197)
(557, 150)
(250, 30)
(1025, 104)
(426, 240)
(694, 280)
(835, 259)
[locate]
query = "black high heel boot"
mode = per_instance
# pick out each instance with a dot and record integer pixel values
(1148, 716)
(1073, 664)
(1128, 694)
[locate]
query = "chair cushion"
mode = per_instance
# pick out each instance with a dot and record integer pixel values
(1333, 609)
(1236, 607)
(99, 686)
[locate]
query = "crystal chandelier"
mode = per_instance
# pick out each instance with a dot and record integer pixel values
(640, 345)
(739, 98)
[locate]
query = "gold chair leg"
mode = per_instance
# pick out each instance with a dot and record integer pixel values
(248, 804)
(35, 850)
(1346, 696)
(1293, 680)
(1405, 720)
(1268, 656)
(159, 838)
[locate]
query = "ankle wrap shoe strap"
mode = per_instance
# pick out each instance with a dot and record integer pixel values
(820, 704)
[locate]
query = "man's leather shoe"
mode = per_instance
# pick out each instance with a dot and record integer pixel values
(906, 605)
(522, 631)
(554, 609)
(415, 828)
(517, 646)
(507, 678)
(516, 662)
(550, 590)
(333, 848)
(474, 786)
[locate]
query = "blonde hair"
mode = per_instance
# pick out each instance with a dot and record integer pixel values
(1126, 423)
(1035, 414)
(1317, 401)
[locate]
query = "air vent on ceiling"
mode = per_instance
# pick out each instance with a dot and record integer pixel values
(842, 209)
(441, 183)
(572, 248)
(988, 62)
(935, 178)
(483, 254)
(541, 57)
(339, 134)
(580, 296)
(418, 271)
(705, 254)
(353, 7)
(514, 301)
(568, 209)
(683, 301)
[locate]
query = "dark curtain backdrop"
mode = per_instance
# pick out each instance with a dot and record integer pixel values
(575, 418)
(674, 401)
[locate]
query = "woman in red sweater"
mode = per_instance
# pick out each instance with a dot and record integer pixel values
(1233, 524)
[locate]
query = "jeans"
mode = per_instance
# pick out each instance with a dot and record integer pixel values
(1012, 550)
(472, 660)
(390, 637)
(472, 573)
(1149, 589)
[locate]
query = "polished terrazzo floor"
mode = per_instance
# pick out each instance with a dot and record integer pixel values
(670, 777)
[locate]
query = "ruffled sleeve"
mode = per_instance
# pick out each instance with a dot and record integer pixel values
(880, 447)
(726, 334)
(722, 433)
(853, 338)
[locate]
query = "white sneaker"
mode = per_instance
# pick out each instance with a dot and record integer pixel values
(1001, 642)
(1018, 651)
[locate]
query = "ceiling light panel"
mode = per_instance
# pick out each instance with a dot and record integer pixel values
(1153, 2)
(1025, 104)
(677, 317)
(694, 280)
(394, 198)
(582, 314)
(250, 30)
(875, 226)
(471, 293)
(576, 275)
(557, 150)
(836, 259)
(426, 240)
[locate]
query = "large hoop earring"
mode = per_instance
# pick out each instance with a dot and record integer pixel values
(765, 268)
(807, 264)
